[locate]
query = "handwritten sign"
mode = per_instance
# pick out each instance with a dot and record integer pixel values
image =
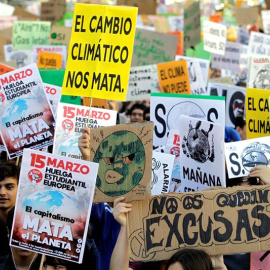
(173, 77)
(259, 44)
(257, 113)
(230, 60)
(151, 47)
(60, 35)
(49, 60)
(192, 25)
(54, 192)
(214, 37)
(100, 51)
(244, 155)
(27, 34)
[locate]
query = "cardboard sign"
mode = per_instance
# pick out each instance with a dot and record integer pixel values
(192, 25)
(96, 103)
(5, 69)
(197, 81)
(142, 81)
(245, 16)
(172, 147)
(6, 10)
(53, 94)
(259, 70)
(6, 22)
(100, 51)
(22, 14)
(52, 10)
(231, 59)
(162, 165)
(71, 119)
(166, 109)
(28, 34)
(3, 41)
(244, 155)
(27, 119)
(49, 60)
(259, 44)
(60, 35)
(54, 192)
(235, 100)
(173, 77)
(214, 37)
(22, 57)
(260, 260)
(179, 34)
(257, 113)
(62, 50)
(151, 47)
(216, 221)
(144, 6)
(202, 161)
(124, 154)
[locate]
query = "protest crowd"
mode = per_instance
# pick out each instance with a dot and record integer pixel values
(135, 135)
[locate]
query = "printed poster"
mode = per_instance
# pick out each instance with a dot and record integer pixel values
(124, 154)
(202, 161)
(244, 155)
(22, 57)
(174, 77)
(259, 72)
(257, 113)
(215, 36)
(100, 51)
(53, 94)
(143, 81)
(27, 34)
(62, 50)
(162, 165)
(235, 100)
(166, 109)
(71, 119)
(53, 205)
(26, 117)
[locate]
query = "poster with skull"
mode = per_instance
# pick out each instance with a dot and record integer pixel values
(202, 161)
(124, 154)
(244, 155)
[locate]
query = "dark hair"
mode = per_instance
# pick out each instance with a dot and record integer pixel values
(137, 106)
(146, 111)
(239, 121)
(8, 169)
(191, 259)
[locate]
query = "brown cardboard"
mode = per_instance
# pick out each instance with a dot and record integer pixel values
(60, 35)
(11, 63)
(144, 6)
(52, 10)
(245, 16)
(223, 221)
(24, 15)
(151, 47)
(162, 25)
(3, 41)
(122, 150)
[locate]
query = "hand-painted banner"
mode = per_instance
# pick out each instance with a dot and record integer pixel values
(244, 155)
(100, 51)
(27, 119)
(53, 205)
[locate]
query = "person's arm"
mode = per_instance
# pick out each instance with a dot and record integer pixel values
(84, 144)
(262, 172)
(218, 262)
(120, 255)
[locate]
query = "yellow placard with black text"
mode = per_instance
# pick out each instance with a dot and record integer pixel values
(257, 113)
(173, 77)
(100, 51)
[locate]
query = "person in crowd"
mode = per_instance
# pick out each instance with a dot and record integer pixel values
(146, 114)
(240, 126)
(9, 178)
(136, 112)
(191, 259)
(231, 135)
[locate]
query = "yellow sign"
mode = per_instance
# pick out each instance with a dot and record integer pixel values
(100, 51)
(49, 60)
(173, 77)
(257, 113)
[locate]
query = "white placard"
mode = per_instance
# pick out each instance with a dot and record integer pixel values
(162, 165)
(215, 36)
(202, 161)
(244, 155)
(259, 44)
(53, 94)
(6, 10)
(266, 21)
